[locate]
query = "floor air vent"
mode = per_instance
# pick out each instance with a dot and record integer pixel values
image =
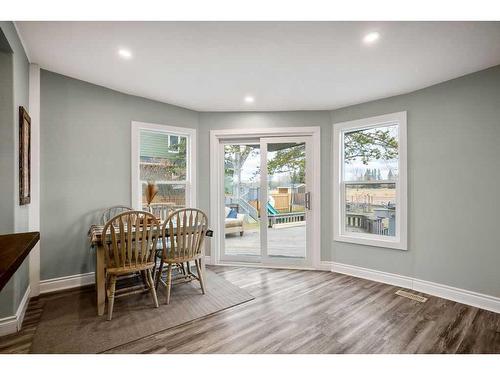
(412, 296)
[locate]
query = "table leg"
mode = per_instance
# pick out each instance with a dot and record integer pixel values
(100, 280)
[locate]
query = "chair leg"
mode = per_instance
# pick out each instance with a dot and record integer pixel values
(188, 267)
(169, 282)
(183, 269)
(107, 284)
(155, 267)
(158, 273)
(152, 287)
(200, 275)
(111, 298)
(145, 279)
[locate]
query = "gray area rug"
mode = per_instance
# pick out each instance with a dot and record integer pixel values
(70, 324)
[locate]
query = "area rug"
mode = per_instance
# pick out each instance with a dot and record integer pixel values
(70, 324)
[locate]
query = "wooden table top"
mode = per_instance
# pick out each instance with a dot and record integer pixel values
(95, 234)
(14, 248)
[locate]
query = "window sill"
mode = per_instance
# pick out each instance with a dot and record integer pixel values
(396, 244)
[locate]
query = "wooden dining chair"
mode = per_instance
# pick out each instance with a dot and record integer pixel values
(111, 212)
(129, 247)
(183, 234)
(162, 210)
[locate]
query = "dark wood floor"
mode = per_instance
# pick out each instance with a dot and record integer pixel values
(312, 312)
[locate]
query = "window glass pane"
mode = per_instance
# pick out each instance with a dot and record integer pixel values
(242, 200)
(286, 171)
(370, 208)
(170, 195)
(174, 140)
(161, 160)
(371, 154)
(174, 143)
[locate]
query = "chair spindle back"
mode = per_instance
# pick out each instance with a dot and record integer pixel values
(184, 232)
(111, 212)
(130, 239)
(162, 210)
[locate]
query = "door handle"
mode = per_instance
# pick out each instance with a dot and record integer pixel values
(308, 200)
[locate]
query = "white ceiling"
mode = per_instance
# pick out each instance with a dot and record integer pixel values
(212, 66)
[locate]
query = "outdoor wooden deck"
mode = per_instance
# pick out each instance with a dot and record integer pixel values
(282, 241)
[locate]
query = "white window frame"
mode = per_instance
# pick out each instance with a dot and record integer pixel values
(190, 181)
(399, 241)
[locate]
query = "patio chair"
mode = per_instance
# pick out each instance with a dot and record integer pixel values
(233, 225)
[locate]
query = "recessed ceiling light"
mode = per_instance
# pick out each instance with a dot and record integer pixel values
(125, 53)
(249, 99)
(371, 37)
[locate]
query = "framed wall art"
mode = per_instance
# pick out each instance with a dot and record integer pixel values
(24, 157)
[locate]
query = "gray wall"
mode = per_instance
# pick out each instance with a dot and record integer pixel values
(249, 120)
(7, 148)
(6, 167)
(453, 152)
(14, 73)
(453, 183)
(453, 180)
(85, 162)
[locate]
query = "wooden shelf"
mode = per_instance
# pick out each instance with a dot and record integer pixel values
(14, 248)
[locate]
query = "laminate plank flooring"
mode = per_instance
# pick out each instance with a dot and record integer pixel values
(298, 311)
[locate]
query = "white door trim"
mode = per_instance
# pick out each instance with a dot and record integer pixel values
(216, 219)
(34, 207)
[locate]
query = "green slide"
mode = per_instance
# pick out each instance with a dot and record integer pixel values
(271, 210)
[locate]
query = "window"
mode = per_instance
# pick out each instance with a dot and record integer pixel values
(162, 156)
(370, 181)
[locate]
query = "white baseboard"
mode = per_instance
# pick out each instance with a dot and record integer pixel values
(8, 325)
(13, 324)
(466, 297)
(66, 282)
(369, 274)
(325, 265)
(21, 310)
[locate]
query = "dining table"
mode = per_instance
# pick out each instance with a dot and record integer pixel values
(96, 237)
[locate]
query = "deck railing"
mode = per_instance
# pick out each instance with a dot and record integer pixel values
(374, 226)
(291, 217)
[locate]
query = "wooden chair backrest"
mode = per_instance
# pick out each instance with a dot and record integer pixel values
(111, 212)
(183, 234)
(130, 238)
(162, 210)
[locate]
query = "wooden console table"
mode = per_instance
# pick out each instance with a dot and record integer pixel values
(14, 248)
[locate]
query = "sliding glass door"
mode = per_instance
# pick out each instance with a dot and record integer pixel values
(266, 201)
(241, 201)
(285, 190)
